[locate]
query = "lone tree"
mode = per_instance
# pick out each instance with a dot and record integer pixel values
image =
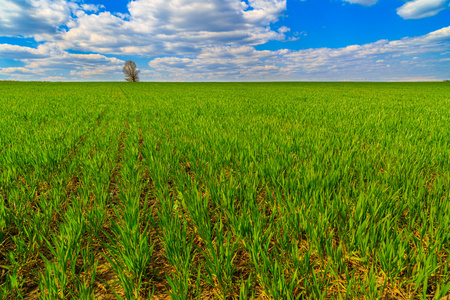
(130, 71)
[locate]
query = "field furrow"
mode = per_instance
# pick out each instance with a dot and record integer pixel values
(224, 190)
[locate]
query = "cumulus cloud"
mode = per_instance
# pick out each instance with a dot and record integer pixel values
(92, 7)
(151, 28)
(202, 40)
(164, 27)
(34, 17)
(20, 73)
(415, 9)
(380, 60)
(78, 64)
(48, 58)
(16, 70)
(8, 51)
(215, 63)
(363, 2)
(54, 78)
(426, 55)
(418, 9)
(366, 58)
(96, 71)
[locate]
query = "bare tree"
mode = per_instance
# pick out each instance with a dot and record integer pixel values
(130, 71)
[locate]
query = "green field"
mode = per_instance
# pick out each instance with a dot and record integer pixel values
(224, 190)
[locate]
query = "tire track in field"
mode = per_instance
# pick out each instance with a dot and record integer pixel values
(154, 281)
(106, 284)
(105, 273)
(155, 277)
(33, 266)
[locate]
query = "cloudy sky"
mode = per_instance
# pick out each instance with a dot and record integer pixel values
(225, 40)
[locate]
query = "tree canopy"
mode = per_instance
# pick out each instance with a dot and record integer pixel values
(130, 71)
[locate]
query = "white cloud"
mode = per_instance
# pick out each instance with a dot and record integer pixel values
(97, 71)
(151, 28)
(202, 40)
(8, 51)
(16, 70)
(164, 27)
(382, 60)
(34, 17)
(53, 78)
(363, 2)
(415, 9)
(48, 58)
(69, 61)
(91, 7)
(20, 73)
(418, 9)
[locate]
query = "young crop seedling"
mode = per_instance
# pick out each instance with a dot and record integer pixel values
(224, 190)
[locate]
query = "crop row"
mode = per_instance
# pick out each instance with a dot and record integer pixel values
(271, 191)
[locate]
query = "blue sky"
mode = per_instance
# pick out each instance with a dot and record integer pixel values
(225, 40)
